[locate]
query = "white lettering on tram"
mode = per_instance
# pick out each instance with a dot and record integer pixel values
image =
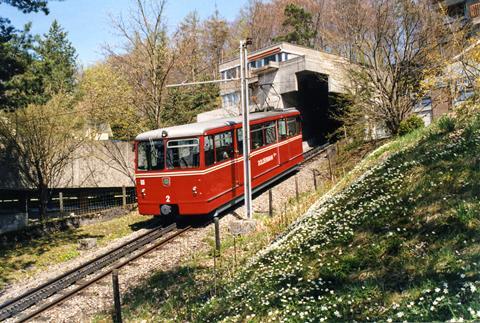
(266, 159)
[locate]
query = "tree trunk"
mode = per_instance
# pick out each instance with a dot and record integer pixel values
(43, 200)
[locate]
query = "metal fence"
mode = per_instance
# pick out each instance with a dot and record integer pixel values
(67, 201)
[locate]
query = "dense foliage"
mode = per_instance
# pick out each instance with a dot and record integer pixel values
(299, 24)
(410, 124)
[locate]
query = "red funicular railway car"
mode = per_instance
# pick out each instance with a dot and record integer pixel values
(198, 168)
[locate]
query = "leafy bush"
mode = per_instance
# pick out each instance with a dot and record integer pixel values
(446, 124)
(410, 124)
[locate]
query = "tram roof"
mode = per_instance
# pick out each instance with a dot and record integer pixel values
(199, 128)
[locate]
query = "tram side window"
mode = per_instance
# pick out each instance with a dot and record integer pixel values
(282, 129)
(293, 126)
(223, 146)
(183, 153)
(240, 141)
(256, 134)
(270, 133)
(150, 155)
(209, 151)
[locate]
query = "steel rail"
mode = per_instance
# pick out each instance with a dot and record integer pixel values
(33, 296)
(309, 154)
(74, 291)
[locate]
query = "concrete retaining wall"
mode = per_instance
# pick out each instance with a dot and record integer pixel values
(13, 222)
(96, 164)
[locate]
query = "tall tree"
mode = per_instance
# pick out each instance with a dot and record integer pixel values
(107, 98)
(148, 60)
(215, 38)
(15, 50)
(56, 61)
(299, 26)
(50, 67)
(185, 103)
(16, 57)
(43, 140)
(189, 49)
(397, 49)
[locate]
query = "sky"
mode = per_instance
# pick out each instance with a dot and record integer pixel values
(88, 22)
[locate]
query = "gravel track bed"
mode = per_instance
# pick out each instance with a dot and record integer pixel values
(53, 271)
(98, 297)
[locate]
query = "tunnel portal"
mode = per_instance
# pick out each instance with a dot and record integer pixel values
(318, 107)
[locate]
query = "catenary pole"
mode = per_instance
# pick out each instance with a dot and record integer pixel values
(246, 127)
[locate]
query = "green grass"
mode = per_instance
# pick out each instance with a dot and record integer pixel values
(396, 239)
(399, 243)
(176, 295)
(26, 259)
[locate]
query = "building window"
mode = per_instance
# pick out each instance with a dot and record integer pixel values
(271, 58)
(231, 99)
(475, 10)
(231, 73)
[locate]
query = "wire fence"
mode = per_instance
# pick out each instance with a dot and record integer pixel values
(66, 202)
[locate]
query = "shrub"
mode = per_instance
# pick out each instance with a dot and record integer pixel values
(410, 124)
(446, 124)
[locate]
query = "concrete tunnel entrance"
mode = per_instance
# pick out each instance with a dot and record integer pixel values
(317, 106)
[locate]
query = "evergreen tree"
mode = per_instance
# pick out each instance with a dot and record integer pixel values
(299, 23)
(57, 61)
(15, 52)
(49, 69)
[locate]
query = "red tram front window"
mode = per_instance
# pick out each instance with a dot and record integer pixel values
(183, 153)
(150, 155)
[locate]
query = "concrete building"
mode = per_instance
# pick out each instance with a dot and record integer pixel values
(457, 87)
(283, 76)
(466, 11)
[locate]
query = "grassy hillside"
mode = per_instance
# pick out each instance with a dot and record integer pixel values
(400, 242)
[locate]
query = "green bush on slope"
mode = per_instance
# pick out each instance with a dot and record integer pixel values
(410, 124)
(400, 243)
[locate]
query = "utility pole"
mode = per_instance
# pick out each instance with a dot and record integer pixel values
(246, 126)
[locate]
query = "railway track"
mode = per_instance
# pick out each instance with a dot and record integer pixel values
(63, 287)
(314, 152)
(70, 283)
